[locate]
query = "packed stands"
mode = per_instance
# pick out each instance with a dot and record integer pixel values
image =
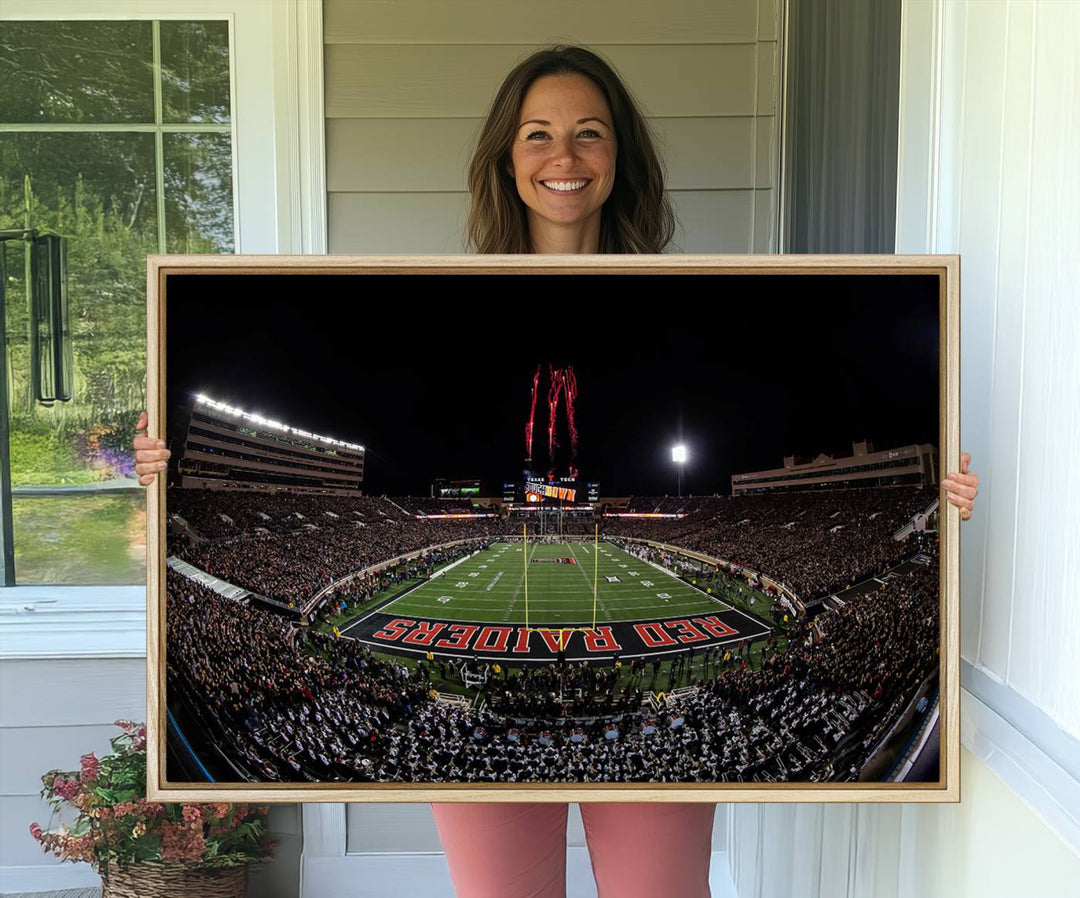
(284, 703)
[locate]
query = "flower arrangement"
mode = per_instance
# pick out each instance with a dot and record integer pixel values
(116, 825)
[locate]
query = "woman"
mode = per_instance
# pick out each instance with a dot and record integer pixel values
(565, 164)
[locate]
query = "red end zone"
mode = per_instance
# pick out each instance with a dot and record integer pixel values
(513, 642)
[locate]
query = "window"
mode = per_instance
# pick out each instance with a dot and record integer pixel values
(118, 136)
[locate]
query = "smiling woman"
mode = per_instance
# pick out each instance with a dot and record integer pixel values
(565, 163)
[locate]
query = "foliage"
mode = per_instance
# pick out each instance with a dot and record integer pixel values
(117, 825)
(99, 189)
(41, 458)
(80, 537)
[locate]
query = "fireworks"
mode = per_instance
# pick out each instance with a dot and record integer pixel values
(532, 416)
(562, 384)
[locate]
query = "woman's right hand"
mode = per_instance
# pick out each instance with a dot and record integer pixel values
(151, 456)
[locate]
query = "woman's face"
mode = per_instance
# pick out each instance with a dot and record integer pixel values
(563, 154)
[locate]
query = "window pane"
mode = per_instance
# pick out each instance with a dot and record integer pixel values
(97, 190)
(82, 539)
(195, 71)
(79, 516)
(76, 72)
(198, 193)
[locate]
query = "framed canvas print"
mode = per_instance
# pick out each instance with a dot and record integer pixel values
(553, 528)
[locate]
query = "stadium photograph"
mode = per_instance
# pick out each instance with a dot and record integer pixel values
(539, 534)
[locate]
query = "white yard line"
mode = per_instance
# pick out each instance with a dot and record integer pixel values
(664, 570)
(670, 611)
(599, 601)
(517, 589)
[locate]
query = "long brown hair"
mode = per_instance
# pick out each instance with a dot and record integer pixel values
(637, 216)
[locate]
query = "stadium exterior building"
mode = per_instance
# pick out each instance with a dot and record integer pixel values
(917, 463)
(222, 447)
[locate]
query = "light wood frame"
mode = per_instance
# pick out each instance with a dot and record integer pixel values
(945, 267)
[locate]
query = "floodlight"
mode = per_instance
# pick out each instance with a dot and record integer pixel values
(678, 454)
(272, 424)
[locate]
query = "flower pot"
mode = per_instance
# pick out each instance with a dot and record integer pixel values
(171, 880)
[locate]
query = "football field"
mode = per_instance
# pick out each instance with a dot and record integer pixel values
(558, 580)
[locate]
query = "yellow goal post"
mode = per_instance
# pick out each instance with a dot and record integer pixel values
(525, 580)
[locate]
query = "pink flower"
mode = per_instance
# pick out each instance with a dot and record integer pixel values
(123, 808)
(89, 767)
(65, 788)
(192, 814)
(36, 832)
(181, 842)
(150, 808)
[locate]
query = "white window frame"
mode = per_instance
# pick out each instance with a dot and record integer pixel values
(279, 169)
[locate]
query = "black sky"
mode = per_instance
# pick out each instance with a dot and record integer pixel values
(433, 373)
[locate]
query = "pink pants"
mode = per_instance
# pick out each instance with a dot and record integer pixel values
(638, 849)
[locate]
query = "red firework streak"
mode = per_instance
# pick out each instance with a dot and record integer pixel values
(570, 383)
(532, 416)
(556, 387)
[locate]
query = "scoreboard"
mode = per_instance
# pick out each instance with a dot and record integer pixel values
(455, 489)
(564, 492)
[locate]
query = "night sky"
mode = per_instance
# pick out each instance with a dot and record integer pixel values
(743, 369)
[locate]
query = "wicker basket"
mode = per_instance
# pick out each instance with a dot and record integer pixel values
(162, 880)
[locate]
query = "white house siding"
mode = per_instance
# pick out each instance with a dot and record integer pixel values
(55, 710)
(408, 83)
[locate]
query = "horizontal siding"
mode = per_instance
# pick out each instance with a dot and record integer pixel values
(17, 846)
(375, 81)
(768, 79)
(432, 155)
(768, 25)
(377, 154)
(72, 693)
(557, 21)
(764, 152)
(28, 752)
(421, 223)
(713, 221)
(766, 222)
(709, 221)
(707, 153)
(409, 81)
(52, 713)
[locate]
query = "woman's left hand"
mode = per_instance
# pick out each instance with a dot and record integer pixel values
(962, 488)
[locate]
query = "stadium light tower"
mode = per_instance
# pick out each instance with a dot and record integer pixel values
(678, 455)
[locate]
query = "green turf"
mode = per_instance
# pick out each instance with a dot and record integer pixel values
(80, 539)
(558, 594)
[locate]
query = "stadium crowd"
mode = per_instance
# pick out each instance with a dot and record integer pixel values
(329, 710)
(815, 542)
(288, 703)
(290, 546)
